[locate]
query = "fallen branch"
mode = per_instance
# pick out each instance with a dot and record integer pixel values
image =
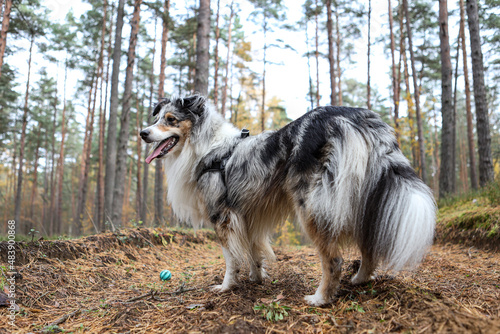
(133, 299)
(63, 318)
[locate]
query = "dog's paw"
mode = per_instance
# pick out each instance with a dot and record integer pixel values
(361, 279)
(221, 288)
(315, 300)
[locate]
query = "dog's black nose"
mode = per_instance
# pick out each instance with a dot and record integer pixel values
(144, 134)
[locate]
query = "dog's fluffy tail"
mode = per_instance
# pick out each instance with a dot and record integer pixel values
(399, 221)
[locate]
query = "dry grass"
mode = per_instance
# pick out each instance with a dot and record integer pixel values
(110, 284)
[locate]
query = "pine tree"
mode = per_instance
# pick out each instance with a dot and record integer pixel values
(486, 173)
(202, 48)
(121, 153)
(447, 173)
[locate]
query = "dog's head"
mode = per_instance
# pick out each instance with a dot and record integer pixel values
(174, 120)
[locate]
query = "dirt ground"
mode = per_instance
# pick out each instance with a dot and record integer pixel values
(110, 284)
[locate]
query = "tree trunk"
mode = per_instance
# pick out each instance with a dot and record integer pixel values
(339, 70)
(111, 141)
(216, 56)
(85, 164)
(447, 172)
(368, 87)
(331, 60)
(145, 173)
(395, 81)
(35, 179)
(17, 205)
(224, 91)
(3, 32)
(421, 144)
(310, 94)
(158, 190)
(102, 128)
(50, 221)
(263, 106)
(316, 54)
(124, 135)
(202, 48)
(470, 131)
(56, 228)
(486, 173)
(138, 126)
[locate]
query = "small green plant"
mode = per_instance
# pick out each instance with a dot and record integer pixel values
(33, 233)
(273, 311)
(355, 307)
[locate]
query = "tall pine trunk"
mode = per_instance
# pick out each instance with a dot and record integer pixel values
(316, 53)
(447, 172)
(263, 105)
(202, 48)
(159, 177)
(224, 90)
(339, 70)
(85, 164)
(216, 57)
(331, 59)
(102, 128)
(111, 141)
(486, 173)
(416, 93)
(56, 227)
(124, 135)
(18, 198)
(394, 78)
(145, 173)
(368, 86)
(470, 126)
(5, 29)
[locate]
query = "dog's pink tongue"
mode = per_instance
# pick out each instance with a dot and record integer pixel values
(157, 151)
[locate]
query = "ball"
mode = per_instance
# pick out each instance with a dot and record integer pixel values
(165, 275)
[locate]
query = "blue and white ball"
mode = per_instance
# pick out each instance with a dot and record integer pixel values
(165, 275)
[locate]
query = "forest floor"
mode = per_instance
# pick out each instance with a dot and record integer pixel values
(109, 283)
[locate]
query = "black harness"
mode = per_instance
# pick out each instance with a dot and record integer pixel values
(219, 165)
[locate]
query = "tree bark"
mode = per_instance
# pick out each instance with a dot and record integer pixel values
(486, 173)
(263, 105)
(470, 131)
(202, 48)
(421, 144)
(56, 228)
(394, 81)
(224, 91)
(102, 129)
(159, 177)
(35, 179)
(316, 54)
(339, 70)
(3, 32)
(124, 135)
(85, 163)
(368, 87)
(145, 173)
(138, 126)
(447, 172)
(17, 204)
(331, 60)
(111, 141)
(216, 56)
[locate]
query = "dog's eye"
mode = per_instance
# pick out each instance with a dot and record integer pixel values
(170, 119)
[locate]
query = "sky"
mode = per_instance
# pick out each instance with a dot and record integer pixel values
(287, 78)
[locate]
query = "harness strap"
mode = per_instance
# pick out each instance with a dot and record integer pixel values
(219, 165)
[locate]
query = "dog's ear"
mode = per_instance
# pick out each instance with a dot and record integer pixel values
(194, 104)
(159, 105)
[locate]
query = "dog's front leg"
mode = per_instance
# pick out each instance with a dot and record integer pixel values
(232, 270)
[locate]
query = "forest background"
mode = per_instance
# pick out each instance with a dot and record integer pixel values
(77, 84)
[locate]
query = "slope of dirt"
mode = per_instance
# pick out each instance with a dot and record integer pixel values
(110, 284)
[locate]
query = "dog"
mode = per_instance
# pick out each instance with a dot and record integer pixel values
(338, 170)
